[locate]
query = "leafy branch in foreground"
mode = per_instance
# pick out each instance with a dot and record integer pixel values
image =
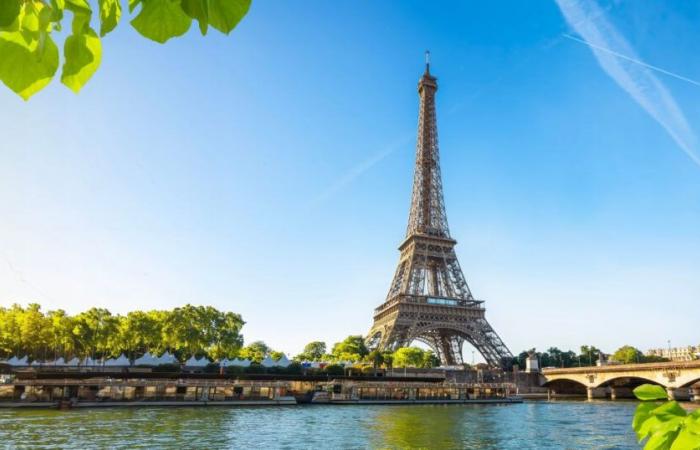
(29, 57)
(666, 424)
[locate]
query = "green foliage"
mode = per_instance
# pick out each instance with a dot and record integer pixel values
(186, 331)
(628, 355)
(352, 348)
(664, 425)
(334, 369)
(313, 351)
(414, 357)
(256, 351)
(408, 357)
(29, 56)
(648, 392)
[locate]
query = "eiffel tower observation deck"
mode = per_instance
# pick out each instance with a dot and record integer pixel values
(429, 299)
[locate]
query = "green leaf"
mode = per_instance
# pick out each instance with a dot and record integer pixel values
(23, 68)
(161, 20)
(650, 392)
(663, 439)
(641, 414)
(133, 4)
(224, 15)
(669, 410)
(686, 440)
(692, 423)
(57, 7)
(78, 5)
(83, 55)
(110, 13)
(648, 426)
(9, 11)
(199, 10)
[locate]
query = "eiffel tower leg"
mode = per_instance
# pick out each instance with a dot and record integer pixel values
(447, 350)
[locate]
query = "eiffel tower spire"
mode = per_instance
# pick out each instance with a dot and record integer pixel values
(427, 215)
(429, 299)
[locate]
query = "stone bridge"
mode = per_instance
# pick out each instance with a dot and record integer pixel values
(681, 379)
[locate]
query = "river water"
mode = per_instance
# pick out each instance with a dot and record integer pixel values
(530, 425)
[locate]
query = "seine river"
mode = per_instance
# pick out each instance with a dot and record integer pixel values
(532, 425)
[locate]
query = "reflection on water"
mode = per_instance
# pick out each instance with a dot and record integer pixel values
(536, 425)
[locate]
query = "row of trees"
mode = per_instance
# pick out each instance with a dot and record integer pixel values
(185, 331)
(588, 355)
(353, 349)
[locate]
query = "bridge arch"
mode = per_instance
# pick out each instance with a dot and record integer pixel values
(689, 382)
(565, 385)
(628, 382)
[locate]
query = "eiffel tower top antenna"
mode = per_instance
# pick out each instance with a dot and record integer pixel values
(427, 61)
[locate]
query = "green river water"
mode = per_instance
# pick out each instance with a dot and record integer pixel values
(530, 425)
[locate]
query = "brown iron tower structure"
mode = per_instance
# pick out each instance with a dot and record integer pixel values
(429, 299)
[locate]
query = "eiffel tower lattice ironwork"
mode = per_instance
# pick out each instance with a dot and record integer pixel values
(429, 299)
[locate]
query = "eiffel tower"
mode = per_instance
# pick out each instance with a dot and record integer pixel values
(429, 299)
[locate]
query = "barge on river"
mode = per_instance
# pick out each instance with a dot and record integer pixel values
(157, 389)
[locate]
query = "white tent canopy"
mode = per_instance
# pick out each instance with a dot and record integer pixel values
(73, 362)
(122, 361)
(89, 362)
(167, 358)
(146, 360)
(16, 362)
(239, 362)
(268, 362)
(194, 362)
(283, 361)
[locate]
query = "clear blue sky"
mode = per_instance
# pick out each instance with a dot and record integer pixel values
(269, 172)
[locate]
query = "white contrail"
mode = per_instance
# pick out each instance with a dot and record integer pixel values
(641, 63)
(359, 169)
(588, 20)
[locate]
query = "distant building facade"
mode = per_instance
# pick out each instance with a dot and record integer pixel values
(687, 353)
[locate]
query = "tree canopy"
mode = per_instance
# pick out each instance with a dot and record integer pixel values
(352, 348)
(415, 357)
(628, 355)
(185, 331)
(29, 55)
(313, 351)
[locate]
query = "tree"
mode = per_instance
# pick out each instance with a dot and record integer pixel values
(226, 335)
(589, 355)
(352, 348)
(313, 351)
(34, 331)
(30, 55)
(63, 341)
(388, 358)
(186, 331)
(429, 360)
(628, 355)
(275, 355)
(139, 331)
(408, 357)
(256, 351)
(96, 333)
